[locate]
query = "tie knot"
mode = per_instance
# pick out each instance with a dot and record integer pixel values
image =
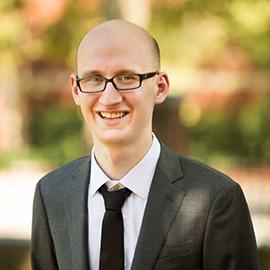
(114, 200)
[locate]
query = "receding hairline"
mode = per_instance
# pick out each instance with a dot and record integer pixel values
(111, 26)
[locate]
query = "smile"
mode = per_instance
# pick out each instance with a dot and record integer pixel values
(114, 115)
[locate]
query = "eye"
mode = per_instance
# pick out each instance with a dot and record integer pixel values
(126, 77)
(94, 79)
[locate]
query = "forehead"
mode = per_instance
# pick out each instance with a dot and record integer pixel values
(108, 51)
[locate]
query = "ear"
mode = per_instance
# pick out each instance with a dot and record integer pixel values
(163, 87)
(74, 89)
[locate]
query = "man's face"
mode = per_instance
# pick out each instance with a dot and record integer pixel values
(115, 117)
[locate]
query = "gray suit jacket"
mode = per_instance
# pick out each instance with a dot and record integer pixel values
(195, 218)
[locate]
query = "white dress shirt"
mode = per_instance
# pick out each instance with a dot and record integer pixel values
(138, 180)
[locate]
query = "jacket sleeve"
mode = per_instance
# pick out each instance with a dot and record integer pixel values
(42, 247)
(229, 241)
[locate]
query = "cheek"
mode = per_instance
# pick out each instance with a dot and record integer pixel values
(145, 108)
(87, 104)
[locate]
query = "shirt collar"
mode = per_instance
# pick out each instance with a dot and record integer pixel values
(138, 179)
(97, 177)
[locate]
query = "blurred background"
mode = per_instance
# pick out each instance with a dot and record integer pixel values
(217, 55)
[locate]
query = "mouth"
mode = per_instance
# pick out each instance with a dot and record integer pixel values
(112, 115)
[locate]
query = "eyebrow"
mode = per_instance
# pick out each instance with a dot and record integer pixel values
(89, 73)
(98, 72)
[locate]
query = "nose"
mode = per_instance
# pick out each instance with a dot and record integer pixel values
(110, 95)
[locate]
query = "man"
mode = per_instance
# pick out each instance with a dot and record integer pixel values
(176, 213)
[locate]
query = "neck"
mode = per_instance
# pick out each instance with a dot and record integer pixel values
(116, 161)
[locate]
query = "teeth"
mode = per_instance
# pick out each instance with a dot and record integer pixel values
(112, 115)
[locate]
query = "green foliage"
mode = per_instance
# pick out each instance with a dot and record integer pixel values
(9, 5)
(183, 29)
(244, 136)
(56, 134)
(60, 39)
(250, 22)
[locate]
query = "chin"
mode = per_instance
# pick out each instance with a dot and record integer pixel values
(115, 137)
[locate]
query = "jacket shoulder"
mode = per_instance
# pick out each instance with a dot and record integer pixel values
(196, 173)
(59, 174)
(210, 181)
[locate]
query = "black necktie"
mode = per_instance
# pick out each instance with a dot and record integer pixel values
(112, 239)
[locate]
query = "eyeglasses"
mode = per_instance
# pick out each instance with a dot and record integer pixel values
(122, 82)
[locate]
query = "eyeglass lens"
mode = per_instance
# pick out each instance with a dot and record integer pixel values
(95, 83)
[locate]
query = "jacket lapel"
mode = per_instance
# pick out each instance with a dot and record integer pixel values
(77, 215)
(163, 203)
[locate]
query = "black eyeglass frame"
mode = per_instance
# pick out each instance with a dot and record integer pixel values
(141, 76)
